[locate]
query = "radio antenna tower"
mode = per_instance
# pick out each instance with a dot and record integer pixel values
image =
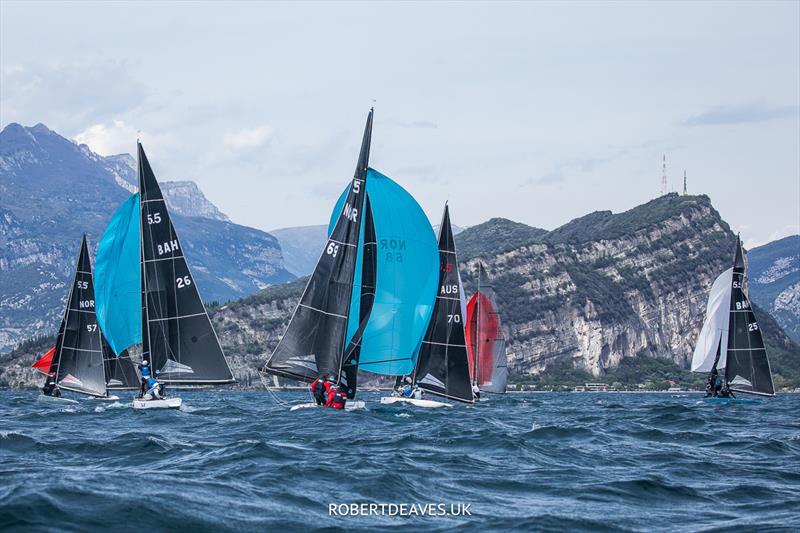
(684, 183)
(664, 175)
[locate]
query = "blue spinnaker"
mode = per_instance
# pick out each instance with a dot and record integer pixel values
(118, 296)
(408, 274)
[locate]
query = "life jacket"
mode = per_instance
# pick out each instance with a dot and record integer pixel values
(145, 371)
(151, 382)
(336, 399)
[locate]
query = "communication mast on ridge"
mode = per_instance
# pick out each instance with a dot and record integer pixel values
(664, 175)
(684, 183)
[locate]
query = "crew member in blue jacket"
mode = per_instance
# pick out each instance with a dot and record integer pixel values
(144, 372)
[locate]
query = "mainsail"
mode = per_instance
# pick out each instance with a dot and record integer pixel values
(406, 284)
(117, 277)
(746, 366)
(177, 336)
(730, 340)
(77, 361)
(315, 339)
(442, 365)
(485, 341)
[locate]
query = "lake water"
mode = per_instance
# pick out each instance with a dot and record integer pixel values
(556, 461)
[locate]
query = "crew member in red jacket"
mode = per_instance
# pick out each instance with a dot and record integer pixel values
(320, 388)
(336, 398)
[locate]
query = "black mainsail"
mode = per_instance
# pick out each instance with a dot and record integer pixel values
(177, 336)
(747, 367)
(78, 358)
(442, 365)
(313, 343)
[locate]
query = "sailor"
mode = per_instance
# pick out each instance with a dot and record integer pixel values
(476, 392)
(725, 392)
(144, 372)
(336, 398)
(717, 386)
(416, 392)
(710, 385)
(51, 389)
(155, 390)
(319, 388)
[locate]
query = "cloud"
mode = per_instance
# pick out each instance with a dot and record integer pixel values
(741, 114)
(246, 139)
(419, 124)
(111, 138)
(550, 178)
(69, 96)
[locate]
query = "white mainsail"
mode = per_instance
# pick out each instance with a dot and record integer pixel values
(715, 327)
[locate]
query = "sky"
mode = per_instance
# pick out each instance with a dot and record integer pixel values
(538, 112)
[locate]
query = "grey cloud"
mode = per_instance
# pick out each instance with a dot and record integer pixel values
(741, 114)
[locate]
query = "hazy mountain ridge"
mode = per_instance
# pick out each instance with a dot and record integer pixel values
(775, 281)
(53, 190)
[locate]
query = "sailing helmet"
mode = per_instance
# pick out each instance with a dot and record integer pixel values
(145, 363)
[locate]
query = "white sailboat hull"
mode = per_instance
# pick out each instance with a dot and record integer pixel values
(351, 405)
(168, 403)
(54, 399)
(428, 404)
(111, 398)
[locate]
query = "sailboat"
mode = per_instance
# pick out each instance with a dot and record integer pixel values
(442, 366)
(730, 344)
(76, 362)
(485, 341)
(147, 294)
(315, 342)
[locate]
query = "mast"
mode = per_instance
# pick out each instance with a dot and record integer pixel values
(313, 344)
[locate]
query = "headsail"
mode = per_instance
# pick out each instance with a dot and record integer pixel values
(407, 279)
(747, 367)
(715, 328)
(442, 366)
(485, 340)
(78, 356)
(121, 373)
(177, 335)
(117, 277)
(314, 341)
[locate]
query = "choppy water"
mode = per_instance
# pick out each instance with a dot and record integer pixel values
(241, 461)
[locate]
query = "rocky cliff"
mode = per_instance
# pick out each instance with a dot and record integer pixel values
(775, 281)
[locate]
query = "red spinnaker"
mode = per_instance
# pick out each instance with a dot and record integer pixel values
(45, 362)
(482, 332)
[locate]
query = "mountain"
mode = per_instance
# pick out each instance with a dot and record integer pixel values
(611, 297)
(53, 190)
(774, 271)
(602, 292)
(301, 247)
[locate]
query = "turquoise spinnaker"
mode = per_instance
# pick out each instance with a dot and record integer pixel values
(408, 275)
(118, 294)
